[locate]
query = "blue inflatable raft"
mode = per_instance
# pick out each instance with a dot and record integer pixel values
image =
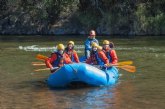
(81, 72)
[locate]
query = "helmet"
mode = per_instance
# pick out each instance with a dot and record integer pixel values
(106, 42)
(60, 47)
(94, 44)
(92, 33)
(71, 42)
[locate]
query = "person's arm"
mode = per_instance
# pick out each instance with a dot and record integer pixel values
(50, 60)
(75, 56)
(114, 57)
(87, 45)
(103, 57)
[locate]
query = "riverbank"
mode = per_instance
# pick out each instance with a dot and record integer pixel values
(58, 17)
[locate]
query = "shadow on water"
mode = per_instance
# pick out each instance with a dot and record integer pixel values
(40, 84)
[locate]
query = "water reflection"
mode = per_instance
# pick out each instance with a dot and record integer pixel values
(85, 98)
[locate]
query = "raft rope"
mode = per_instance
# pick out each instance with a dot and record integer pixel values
(107, 76)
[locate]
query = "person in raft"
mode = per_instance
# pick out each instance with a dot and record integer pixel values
(57, 59)
(110, 52)
(91, 38)
(69, 50)
(97, 56)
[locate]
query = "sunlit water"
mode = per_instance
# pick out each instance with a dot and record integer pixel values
(21, 88)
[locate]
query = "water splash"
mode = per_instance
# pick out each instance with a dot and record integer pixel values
(36, 48)
(80, 48)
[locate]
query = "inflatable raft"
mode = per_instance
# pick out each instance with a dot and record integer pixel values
(81, 72)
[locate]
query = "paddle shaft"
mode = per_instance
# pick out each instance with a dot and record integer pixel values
(46, 69)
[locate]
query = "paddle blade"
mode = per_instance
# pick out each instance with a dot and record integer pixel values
(131, 69)
(41, 57)
(125, 63)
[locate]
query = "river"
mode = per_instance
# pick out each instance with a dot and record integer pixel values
(22, 88)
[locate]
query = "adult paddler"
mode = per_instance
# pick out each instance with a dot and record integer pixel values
(88, 43)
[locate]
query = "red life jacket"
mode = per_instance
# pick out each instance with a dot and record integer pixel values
(95, 58)
(108, 54)
(70, 54)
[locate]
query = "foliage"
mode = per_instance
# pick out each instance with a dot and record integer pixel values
(116, 16)
(55, 7)
(150, 22)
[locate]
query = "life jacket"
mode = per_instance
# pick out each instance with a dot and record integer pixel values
(59, 61)
(96, 60)
(70, 54)
(108, 54)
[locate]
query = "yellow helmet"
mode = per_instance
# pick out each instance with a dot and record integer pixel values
(94, 44)
(71, 42)
(60, 47)
(106, 42)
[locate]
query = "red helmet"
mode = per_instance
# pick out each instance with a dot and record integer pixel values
(92, 33)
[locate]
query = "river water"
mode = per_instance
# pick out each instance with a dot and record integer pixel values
(22, 88)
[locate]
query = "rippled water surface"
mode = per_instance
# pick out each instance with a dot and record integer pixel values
(22, 88)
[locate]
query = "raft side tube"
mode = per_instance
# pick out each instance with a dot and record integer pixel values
(112, 74)
(61, 77)
(92, 75)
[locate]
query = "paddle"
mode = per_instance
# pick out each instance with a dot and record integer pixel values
(41, 57)
(37, 70)
(128, 68)
(37, 62)
(125, 63)
(41, 64)
(121, 63)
